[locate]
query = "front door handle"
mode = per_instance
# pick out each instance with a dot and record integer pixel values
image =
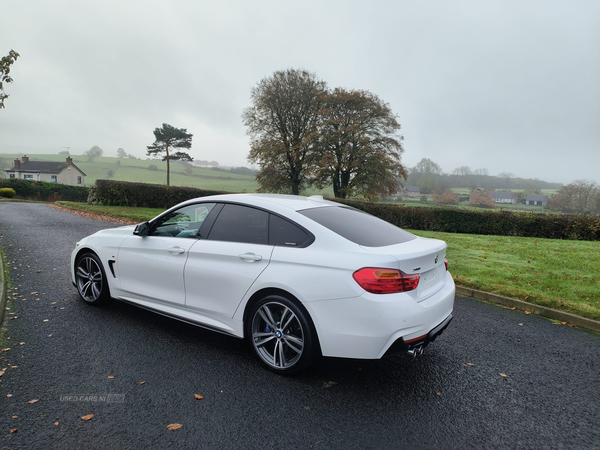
(250, 257)
(176, 250)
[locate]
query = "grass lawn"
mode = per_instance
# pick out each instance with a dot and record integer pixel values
(559, 274)
(563, 275)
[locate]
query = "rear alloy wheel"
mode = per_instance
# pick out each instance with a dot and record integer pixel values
(282, 336)
(91, 280)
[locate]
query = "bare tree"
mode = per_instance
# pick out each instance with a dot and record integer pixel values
(585, 191)
(462, 171)
(4, 165)
(426, 175)
(507, 177)
(93, 152)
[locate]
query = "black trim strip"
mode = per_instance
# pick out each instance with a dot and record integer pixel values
(181, 319)
(111, 263)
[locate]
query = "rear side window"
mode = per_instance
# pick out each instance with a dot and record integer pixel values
(358, 227)
(286, 234)
(237, 223)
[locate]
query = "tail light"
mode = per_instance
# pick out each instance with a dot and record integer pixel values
(385, 281)
(446, 263)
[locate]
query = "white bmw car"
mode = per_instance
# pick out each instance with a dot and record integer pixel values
(297, 277)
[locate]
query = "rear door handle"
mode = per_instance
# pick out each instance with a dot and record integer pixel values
(250, 257)
(176, 250)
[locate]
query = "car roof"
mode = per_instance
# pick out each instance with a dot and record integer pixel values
(271, 201)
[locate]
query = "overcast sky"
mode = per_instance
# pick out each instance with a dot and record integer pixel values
(512, 86)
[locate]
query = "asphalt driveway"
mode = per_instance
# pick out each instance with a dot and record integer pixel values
(495, 379)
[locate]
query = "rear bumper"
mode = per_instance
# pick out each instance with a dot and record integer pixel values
(400, 346)
(372, 326)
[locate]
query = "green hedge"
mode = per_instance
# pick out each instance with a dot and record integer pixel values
(447, 219)
(42, 190)
(123, 193)
(500, 223)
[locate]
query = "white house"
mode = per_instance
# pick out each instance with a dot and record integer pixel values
(536, 200)
(52, 172)
(505, 197)
(410, 191)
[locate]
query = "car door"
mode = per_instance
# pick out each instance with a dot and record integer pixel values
(221, 268)
(150, 268)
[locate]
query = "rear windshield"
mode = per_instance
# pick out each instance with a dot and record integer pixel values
(357, 226)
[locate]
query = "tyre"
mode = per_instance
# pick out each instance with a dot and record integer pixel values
(90, 280)
(282, 335)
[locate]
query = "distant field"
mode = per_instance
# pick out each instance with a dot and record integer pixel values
(465, 205)
(466, 191)
(136, 170)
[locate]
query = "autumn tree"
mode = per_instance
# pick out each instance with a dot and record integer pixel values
(93, 152)
(445, 197)
(483, 199)
(167, 139)
(283, 124)
(359, 150)
(5, 77)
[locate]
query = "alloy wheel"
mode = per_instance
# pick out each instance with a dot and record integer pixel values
(277, 335)
(89, 279)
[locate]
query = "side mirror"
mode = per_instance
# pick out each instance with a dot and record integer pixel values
(142, 229)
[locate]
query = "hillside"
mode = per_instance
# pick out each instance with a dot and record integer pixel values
(137, 170)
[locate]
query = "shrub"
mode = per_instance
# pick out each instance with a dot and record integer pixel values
(7, 192)
(482, 199)
(42, 190)
(446, 197)
(152, 167)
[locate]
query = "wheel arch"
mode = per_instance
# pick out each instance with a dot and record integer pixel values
(82, 251)
(265, 292)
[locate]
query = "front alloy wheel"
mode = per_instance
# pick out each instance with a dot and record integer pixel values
(281, 335)
(90, 279)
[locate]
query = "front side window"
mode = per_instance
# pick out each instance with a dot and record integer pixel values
(183, 222)
(237, 223)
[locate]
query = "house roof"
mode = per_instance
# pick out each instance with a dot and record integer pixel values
(44, 167)
(412, 188)
(536, 198)
(501, 194)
